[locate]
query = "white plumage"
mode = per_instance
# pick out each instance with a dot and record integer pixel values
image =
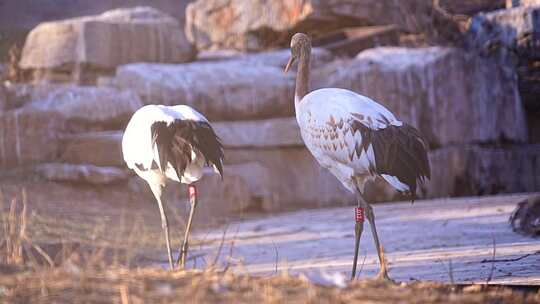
(175, 142)
(137, 146)
(320, 115)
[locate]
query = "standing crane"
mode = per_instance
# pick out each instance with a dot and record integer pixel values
(357, 139)
(176, 142)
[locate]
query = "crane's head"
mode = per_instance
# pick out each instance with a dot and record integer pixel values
(300, 44)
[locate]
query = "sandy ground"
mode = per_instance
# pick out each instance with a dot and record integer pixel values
(439, 240)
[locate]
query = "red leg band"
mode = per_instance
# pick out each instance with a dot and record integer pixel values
(192, 191)
(359, 214)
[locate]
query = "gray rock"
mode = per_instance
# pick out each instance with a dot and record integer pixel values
(525, 219)
(105, 148)
(257, 25)
(293, 177)
(276, 132)
(250, 86)
(509, 31)
(81, 174)
(453, 97)
(20, 94)
(86, 107)
(97, 44)
(471, 7)
(28, 136)
(515, 3)
(477, 170)
(279, 58)
(228, 90)
(96, 148)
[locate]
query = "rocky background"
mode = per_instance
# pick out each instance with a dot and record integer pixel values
(467, 75)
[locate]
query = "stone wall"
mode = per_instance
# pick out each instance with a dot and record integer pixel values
(66, 137)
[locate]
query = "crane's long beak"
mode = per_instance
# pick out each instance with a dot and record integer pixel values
(289, 63)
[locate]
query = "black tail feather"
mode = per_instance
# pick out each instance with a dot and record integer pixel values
(175, 142)
(401, 152)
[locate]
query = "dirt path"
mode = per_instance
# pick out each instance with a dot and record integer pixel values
(421, 241)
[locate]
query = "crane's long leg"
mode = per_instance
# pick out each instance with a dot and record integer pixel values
(185, 246)
(358, 228)
(156, 189)
(383, 274)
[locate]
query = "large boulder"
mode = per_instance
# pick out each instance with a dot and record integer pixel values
(478, 170)
(277, 132)
(81, 174)
(19, 94)
(511, 30)
(471, 7)
(256, 25)
(88, 108)
(96, 148)
(514, 3)
(81, 48)
(453, 97)
(525, 219)
(279, 58)
(228, 90)
(291, 178)
(29, 136)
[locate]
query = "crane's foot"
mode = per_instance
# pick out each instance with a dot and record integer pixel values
(383, 273)
(383, 277)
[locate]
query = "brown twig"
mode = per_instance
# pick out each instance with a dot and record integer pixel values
(362, 265)
(277, 257)
(449, 270)
(509, 260)
(218, 254)
(231, 248)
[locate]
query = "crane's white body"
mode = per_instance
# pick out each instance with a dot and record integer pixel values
(320, 111)
(137, 145)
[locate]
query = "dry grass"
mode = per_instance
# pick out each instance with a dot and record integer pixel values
(32, 273)
(150, 285)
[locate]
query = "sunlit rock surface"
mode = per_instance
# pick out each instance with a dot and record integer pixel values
(85, 174)
(227, 90)
(81, 48)
(86, 107)
(256, 25)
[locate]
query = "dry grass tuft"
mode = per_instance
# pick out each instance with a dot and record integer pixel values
(18, 249)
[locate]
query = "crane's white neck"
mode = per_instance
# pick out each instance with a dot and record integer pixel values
(302, 76)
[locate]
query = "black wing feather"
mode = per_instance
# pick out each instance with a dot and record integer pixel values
(176, 140)
(399, 151)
